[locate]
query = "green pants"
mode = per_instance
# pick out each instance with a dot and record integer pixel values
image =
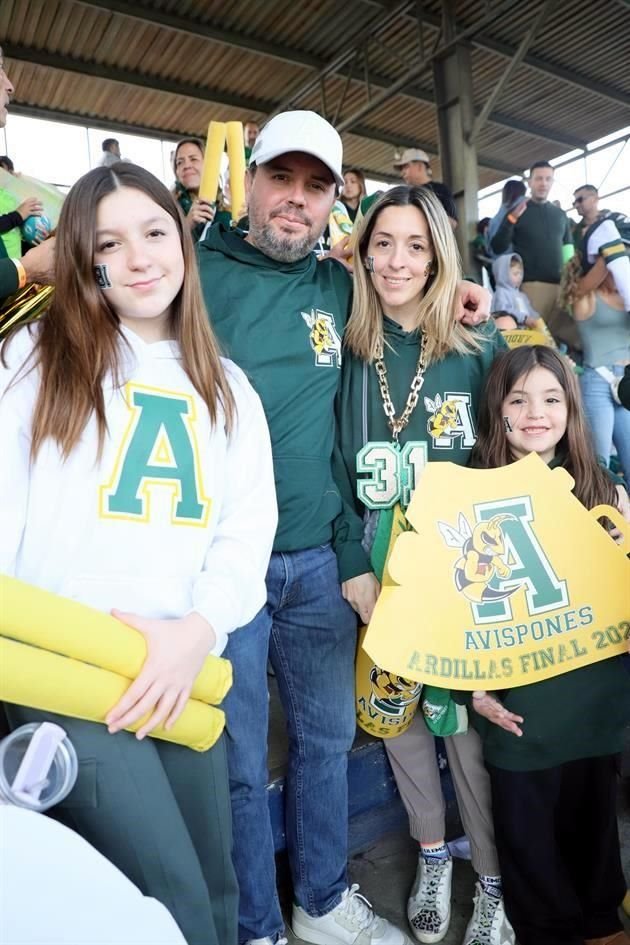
(161, 814)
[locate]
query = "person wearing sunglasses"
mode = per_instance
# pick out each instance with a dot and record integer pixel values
(603, 234)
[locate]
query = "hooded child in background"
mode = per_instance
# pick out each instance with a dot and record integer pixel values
(508, 275)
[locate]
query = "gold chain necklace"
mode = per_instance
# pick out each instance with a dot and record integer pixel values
(398, 424)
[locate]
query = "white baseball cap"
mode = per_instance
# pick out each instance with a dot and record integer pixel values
(411, 154)
(302, 131)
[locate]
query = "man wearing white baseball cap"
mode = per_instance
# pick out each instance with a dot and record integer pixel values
(280, 315)
(414, 166)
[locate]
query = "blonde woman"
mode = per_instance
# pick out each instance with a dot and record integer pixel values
(411, 382)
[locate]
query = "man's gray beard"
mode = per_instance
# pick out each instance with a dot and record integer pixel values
(266, 239)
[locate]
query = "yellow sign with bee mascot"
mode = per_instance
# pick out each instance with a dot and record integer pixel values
(505, 579)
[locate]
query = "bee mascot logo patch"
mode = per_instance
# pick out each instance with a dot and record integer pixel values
(324, 338)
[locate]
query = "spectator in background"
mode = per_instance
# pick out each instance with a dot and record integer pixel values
(111, 152)
(512, 196)
(414, 167)
(7, 163)
(508, 298)
(12, 218)
(604, 326)
(251, 130)
(188, 164)
(541, 234)
(37, 264)
(444, 195)
(354, 190)
(599, 235)
(480, 251)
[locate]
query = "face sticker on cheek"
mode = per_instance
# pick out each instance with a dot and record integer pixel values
(101, 274)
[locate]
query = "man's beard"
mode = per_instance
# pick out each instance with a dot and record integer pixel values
(281, 248)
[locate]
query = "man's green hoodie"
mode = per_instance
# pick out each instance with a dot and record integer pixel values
(442, 428)
(282, 324)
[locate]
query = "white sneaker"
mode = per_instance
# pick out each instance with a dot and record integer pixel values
(352, 922)
(489, 924)
(429, 905)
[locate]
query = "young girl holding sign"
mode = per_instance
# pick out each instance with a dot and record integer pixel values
(411, 382)
(127, 482)
(554, 786)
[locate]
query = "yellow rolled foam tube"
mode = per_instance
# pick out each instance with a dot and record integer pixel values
(31, 615)
(211, 169)
(47, 681)
(236, 157)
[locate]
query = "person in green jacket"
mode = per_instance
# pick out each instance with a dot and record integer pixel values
(554, 786)
(411, 382)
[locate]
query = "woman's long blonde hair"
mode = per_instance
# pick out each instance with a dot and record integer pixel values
(78, 344)
(364, 333)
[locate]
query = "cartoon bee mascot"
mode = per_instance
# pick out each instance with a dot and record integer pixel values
(482, 550)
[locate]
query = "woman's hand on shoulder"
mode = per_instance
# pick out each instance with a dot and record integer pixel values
(176, 651)
(362, 592)
(472, 305)
(343, 252)
(487, 705)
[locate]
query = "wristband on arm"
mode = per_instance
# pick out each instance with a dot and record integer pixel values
(21, 271)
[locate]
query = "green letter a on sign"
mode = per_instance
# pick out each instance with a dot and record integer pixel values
(529, 565)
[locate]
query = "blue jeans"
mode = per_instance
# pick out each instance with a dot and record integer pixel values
(309, 633)
(608, 420)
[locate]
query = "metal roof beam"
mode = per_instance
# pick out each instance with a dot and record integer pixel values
(301, 58)
(580, 81)
(390, 15)
(484, 41)
(182, 24)
(373, 134)
(507, 121)
(425, 65)
(97, 70)
(94, 121)
(509, 71)
(69, 64)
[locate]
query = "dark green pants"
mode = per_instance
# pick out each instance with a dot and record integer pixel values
(161, 814)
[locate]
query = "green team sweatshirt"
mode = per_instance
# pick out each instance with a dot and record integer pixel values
(282, 324)
(538, 236)
(580, 714)
(370, 472)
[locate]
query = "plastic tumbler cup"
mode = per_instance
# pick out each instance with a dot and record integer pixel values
(38, 766)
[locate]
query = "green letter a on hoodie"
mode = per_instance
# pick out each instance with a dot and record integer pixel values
(159, 450)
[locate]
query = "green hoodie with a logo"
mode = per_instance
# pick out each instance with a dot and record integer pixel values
(282, 324)
(370, 471)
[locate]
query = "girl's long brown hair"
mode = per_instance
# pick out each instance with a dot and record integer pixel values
(592, 484)
(78, 342)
